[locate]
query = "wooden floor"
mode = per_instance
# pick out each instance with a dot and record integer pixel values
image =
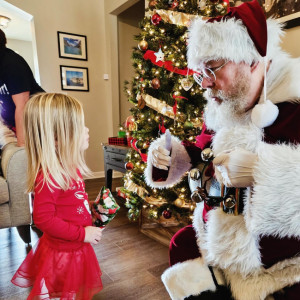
(131, 262)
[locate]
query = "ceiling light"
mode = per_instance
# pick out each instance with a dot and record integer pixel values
(4, 21)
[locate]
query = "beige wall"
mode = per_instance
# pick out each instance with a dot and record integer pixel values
(86, 18)
(291, 41)
(127, 28)
(23, 48)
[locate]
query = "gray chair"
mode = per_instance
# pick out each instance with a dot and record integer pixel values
(14, 201)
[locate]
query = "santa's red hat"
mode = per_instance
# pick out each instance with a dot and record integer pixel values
(240, 35)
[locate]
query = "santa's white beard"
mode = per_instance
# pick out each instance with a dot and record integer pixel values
(232, 110)
(217, 115)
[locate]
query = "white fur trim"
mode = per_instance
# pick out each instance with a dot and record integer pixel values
(274, 208)
(191, 277)
(180, 163)
(265, 282)
(209, 41)
(264, 114)
(226, 242)
(242, 136)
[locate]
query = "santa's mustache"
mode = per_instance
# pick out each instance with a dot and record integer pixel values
(216, 94)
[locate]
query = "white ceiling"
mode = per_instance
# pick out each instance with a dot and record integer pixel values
(19, 27)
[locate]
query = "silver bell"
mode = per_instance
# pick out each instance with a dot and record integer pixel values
(195, 196)
(207, 154)
(230, 202)
(195, 174)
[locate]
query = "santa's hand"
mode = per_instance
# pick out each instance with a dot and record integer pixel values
(161, 155)
(235, 168)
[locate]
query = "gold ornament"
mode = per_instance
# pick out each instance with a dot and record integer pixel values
(143, 45)
(186, 83)
(179, 202)
(141, 103)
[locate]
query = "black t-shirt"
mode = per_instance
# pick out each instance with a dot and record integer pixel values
(15, 77)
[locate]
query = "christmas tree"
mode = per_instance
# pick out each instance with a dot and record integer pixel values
(165, 96)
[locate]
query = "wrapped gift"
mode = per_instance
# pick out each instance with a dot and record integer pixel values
(117, 141)
(104, 208)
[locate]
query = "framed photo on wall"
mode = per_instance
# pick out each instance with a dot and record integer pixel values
(72, 46)
(74, 78)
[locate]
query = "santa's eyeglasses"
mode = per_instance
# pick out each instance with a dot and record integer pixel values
(208, 73)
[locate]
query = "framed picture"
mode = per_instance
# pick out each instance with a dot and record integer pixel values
(287, 11)
(72, 46)
(74, 78)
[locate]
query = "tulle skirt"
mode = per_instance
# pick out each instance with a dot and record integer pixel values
(66, 274)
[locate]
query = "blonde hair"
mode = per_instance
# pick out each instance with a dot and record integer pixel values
(54, 128)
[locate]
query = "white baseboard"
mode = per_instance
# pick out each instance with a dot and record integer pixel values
(101, 174)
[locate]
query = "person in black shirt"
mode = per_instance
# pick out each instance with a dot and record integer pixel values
(16, 85)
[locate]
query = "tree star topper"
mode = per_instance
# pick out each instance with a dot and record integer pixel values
(160, 56)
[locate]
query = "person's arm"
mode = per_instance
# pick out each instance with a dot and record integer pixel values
(20, 101)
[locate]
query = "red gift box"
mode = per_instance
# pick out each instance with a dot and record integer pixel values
(121, 194)
(117, 141)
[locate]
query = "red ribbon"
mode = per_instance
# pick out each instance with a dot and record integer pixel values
(168, 65)
(175, 104)
(143, 155)
(180, 97)
(162, 127)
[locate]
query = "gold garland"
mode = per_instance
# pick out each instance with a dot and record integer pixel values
(173, 17)
(132, 187)
(160, 106)
(165, 109)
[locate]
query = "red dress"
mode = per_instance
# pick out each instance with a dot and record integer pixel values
(61, 264)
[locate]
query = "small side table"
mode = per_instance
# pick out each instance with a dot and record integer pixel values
(114, 159)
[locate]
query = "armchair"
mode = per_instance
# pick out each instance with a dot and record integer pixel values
(14, 201)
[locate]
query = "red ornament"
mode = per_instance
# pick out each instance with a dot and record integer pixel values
(174, 4)
(167, 214)
(156, 18)
(155, 83)
(129, 166)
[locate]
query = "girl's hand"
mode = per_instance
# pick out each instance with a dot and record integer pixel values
(92, 235)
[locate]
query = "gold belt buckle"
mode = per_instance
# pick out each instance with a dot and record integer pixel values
(231, 204)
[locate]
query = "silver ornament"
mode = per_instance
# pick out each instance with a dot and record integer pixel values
(230, 202)
(195, 174)
(207, 154)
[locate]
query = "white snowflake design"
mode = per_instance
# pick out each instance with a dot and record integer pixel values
(80, 210)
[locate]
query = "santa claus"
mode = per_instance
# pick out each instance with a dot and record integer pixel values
(247, 249)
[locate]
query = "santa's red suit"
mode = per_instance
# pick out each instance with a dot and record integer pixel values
(256, 253)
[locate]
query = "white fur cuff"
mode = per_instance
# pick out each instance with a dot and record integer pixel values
(274, 207)
(180, 163)
(191, 277)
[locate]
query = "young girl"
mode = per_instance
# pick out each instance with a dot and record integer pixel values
(63, 264)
